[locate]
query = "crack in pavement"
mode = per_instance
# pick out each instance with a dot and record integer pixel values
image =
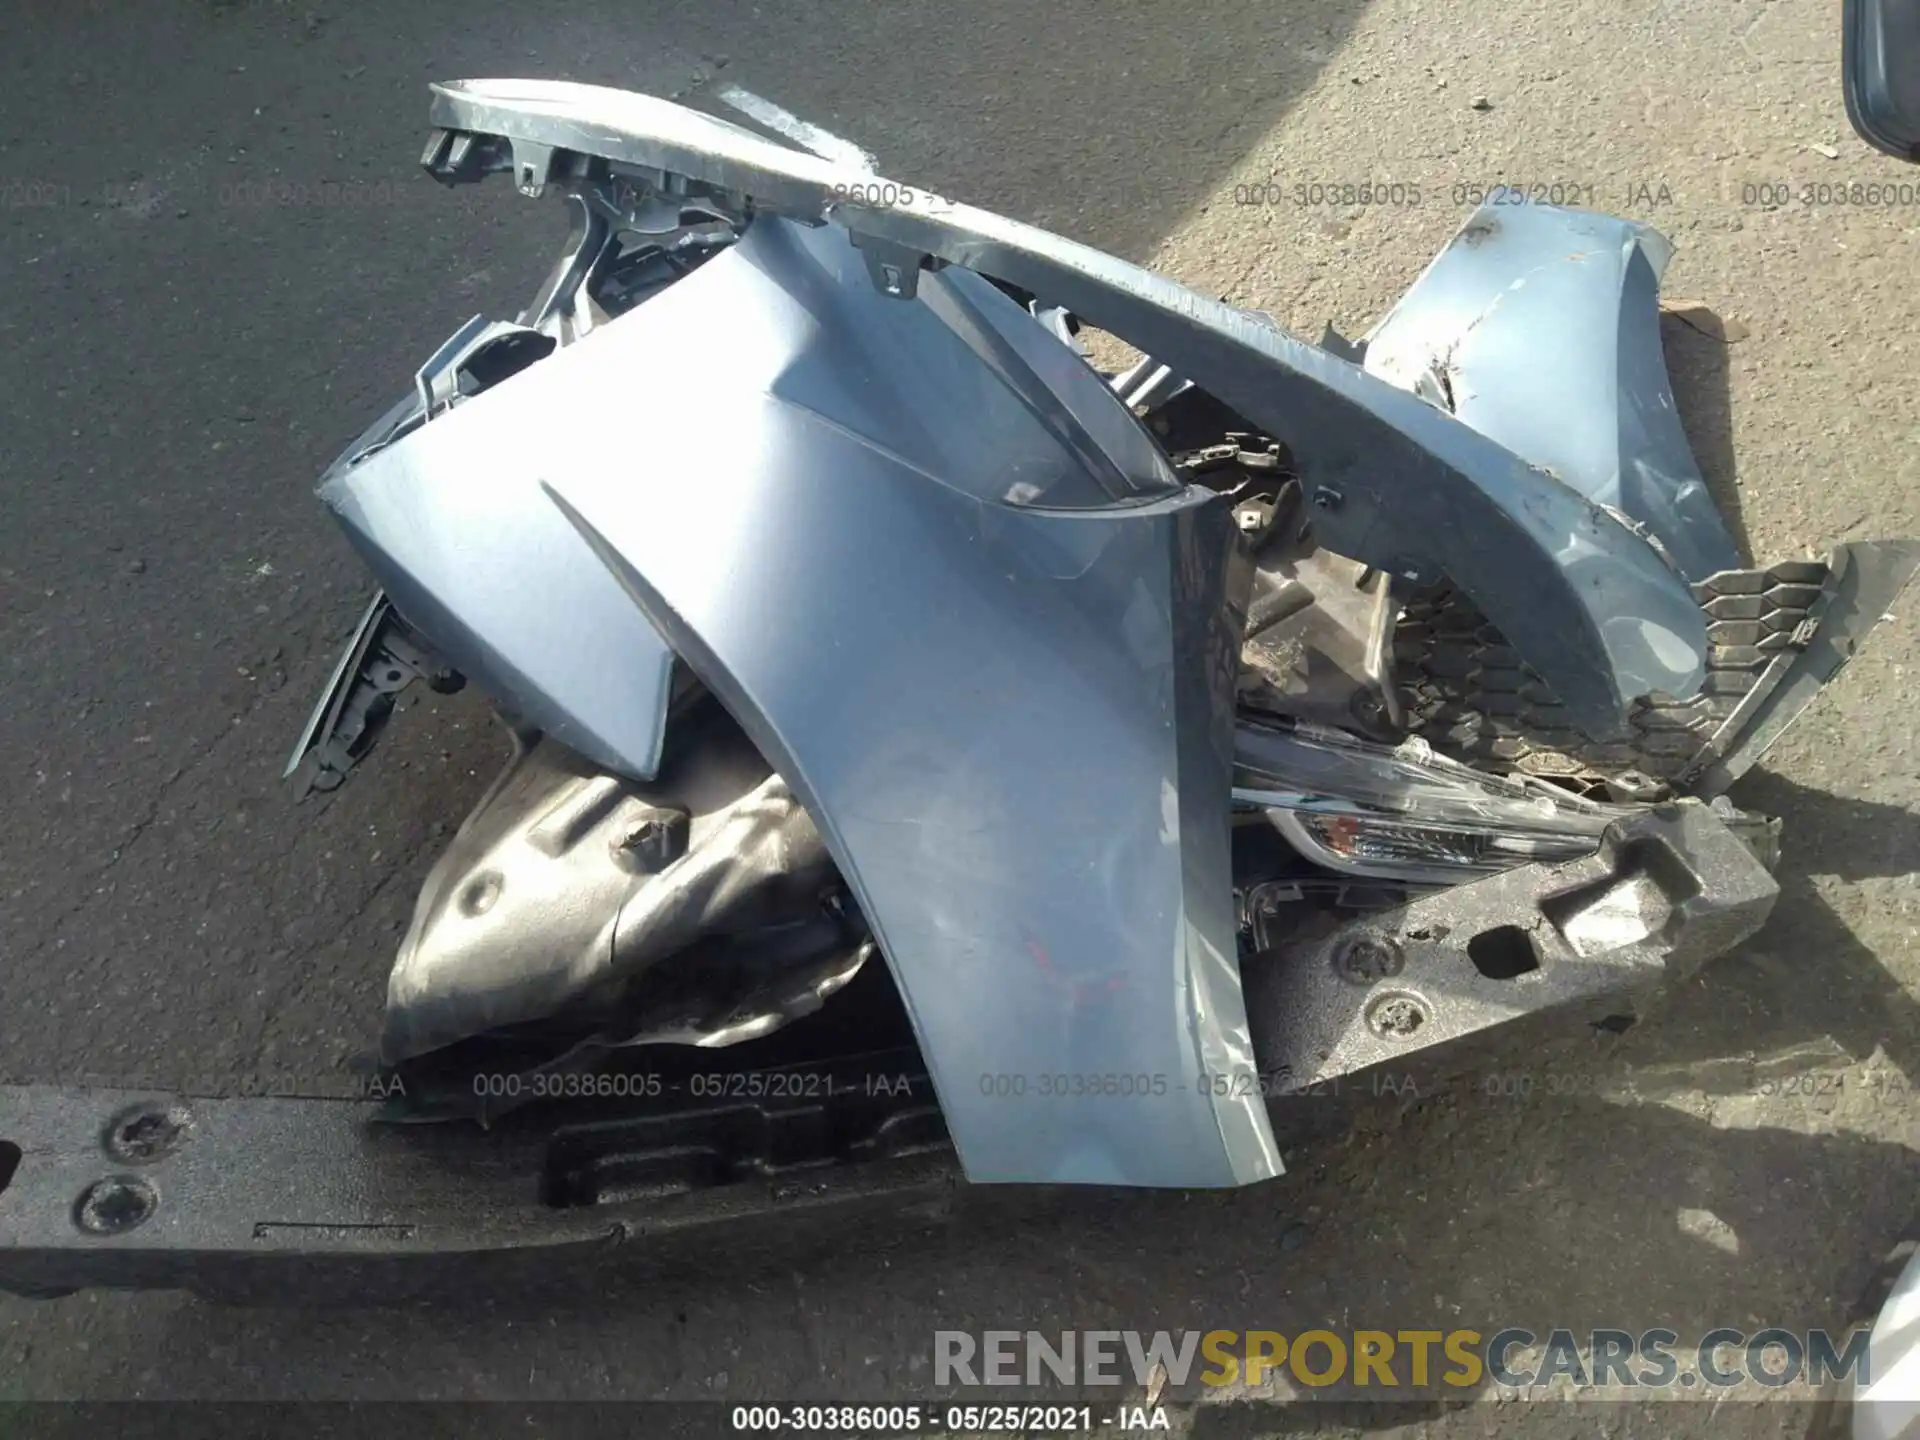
(140, 826)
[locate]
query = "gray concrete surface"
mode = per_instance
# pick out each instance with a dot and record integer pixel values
(179, 357)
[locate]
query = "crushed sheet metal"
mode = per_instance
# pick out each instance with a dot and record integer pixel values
(1540, 327)
(567, 881)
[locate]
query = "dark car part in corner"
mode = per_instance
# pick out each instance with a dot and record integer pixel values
(978, 765)
(1880, 69)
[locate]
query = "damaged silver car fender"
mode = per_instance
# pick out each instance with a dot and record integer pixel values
(1482, 334)
(928, 747)
(988, 633)
(1005, 694)
(1395, 482)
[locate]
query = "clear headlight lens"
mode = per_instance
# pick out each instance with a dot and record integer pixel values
(1405, 813)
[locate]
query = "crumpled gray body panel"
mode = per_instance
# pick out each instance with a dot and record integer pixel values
(1396, 482)
(1540, 328)
(1013, 724)
(958, 599)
